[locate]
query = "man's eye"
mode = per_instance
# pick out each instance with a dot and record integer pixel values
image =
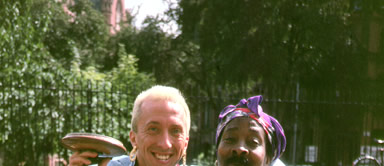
(176, 131)
(153, 129)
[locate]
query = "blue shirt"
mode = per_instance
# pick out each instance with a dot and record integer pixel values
(121, 161)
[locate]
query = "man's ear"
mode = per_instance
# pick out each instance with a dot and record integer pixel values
(186, 141)
(132, 137)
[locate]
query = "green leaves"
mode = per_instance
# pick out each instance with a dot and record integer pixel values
(276, 41)
(50, 82)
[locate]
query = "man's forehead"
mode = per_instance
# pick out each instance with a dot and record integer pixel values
(162, 104)
(166, 120)
(153, 110)
(159, 100)
(172, 121)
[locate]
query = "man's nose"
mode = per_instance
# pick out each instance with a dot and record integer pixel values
(240, 149)
(165, 141)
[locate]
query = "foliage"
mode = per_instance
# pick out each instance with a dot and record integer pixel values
(273, 41)
(127, 70)
(45, 94)
(23, 52)
(206, 158)
(242, 43)
(82, 27)
(23, 57)
(152, 47)
(170, 59)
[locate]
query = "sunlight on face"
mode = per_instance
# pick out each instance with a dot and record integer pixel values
(162, 137)
(243, 143)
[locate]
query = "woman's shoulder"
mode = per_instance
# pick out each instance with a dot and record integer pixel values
(121, 161)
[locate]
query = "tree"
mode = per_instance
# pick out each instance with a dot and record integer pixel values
(274, 41)
(45, 94)
(85, 30)
(153, 48)
(243, 43)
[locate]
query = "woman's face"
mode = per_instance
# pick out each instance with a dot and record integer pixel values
(242, 143)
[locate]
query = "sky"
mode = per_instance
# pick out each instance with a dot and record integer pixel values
(145, 8)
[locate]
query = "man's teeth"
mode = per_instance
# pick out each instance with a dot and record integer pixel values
(162, 157)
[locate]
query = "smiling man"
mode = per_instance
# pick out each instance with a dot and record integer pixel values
(246, 136)
(160, 131)
(160, 128)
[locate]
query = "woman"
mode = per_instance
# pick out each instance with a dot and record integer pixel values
(160, 131)
(247, 136)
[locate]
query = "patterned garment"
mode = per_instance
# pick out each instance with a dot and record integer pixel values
(251, 108)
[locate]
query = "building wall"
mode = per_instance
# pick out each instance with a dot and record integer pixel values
(113, 10)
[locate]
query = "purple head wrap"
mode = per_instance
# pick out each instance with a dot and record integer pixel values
(251, 108)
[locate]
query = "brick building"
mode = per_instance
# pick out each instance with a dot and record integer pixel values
(113, 10)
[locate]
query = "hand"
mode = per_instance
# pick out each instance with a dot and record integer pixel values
(82, 158)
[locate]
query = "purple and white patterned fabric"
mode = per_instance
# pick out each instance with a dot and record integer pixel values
(251, 108)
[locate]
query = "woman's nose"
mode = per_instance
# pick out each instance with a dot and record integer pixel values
(240, 150)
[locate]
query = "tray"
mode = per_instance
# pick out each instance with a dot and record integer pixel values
(88, 141)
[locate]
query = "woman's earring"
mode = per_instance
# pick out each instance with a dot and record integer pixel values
(132, 154)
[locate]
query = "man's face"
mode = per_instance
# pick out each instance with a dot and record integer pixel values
(161, 136)
(242, 144)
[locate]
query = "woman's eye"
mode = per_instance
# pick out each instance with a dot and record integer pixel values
(254, 142)
(229, 140)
